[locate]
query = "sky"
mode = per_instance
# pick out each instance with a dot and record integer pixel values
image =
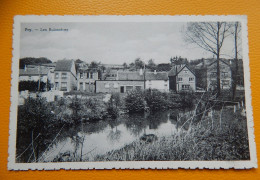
(111, 42)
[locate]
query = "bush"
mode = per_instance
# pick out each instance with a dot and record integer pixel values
(155, 99)
(35, 120)
(134, 101)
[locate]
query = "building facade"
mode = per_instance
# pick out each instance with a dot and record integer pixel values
(182, 78)
(65, 76)
(86, 80)
(119, 86)
(225, 75)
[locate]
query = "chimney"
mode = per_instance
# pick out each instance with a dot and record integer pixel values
(141, 72)
(155, 72)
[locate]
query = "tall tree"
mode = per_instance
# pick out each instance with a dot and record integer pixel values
(235, 31)
(209, 36)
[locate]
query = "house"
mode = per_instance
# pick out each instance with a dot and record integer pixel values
(34, 74)
(65, 75)
(225, 75)
(157, 80)
(86, 79)
(181, 78)
(121, 83)
(127, 81)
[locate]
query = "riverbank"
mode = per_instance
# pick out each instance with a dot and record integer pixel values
(206, 141)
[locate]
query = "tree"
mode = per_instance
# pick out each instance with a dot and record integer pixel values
(33, 61)
(178, 60)
(94, 65)
(209, 36)
(125, 66)
(164, 67)
(139, 64)
(236, 28)
(151, 65)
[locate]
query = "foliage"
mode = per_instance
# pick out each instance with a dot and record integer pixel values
(33, 61)
(178, 60)
(35, 120)
(164, 67)
(155, 99)
(134, 101)
(33, 86)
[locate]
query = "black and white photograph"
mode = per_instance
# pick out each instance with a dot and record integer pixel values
(103, 92)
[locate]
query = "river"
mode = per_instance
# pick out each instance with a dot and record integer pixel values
(97, 138)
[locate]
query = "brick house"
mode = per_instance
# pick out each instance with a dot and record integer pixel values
(65, 75)
(182, 78)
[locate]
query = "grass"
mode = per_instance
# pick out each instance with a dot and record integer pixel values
(203, 141)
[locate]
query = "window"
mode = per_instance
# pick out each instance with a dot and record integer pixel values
(87, 75)
(30, 78)
(81, 75)
(224, 74)
(185, 87)
(191, 79)
(129, 88)
(64, 75)
(63, 86)
(81, 86)
(91, 75)
(179, 79)
(56, 85)
(56, 75)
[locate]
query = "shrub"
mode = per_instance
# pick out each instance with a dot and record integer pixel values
(155, 99)
(134, 101)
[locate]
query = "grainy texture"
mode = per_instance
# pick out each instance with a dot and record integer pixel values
(125, 7)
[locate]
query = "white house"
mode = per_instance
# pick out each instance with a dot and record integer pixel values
(157, 80)
(65, 75)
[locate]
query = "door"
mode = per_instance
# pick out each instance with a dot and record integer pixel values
(122, 89)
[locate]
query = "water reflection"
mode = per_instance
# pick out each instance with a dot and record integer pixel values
(90, 139)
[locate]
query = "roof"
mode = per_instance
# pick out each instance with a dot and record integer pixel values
(63, 65)
(175, 70)
(130, 76)
(135, 76)
(156, 76)
(219, 60)
(33, 71)
(113, 66)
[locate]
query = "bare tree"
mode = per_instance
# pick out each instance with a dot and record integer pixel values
(235, 31)
(209, 36)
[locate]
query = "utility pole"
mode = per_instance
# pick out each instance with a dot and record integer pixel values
(144, 76)
(39, 83)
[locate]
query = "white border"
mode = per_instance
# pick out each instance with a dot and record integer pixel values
(252, 163)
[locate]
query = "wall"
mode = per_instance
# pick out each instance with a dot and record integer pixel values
(32, 78)
(157, 84)
(114, 86)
